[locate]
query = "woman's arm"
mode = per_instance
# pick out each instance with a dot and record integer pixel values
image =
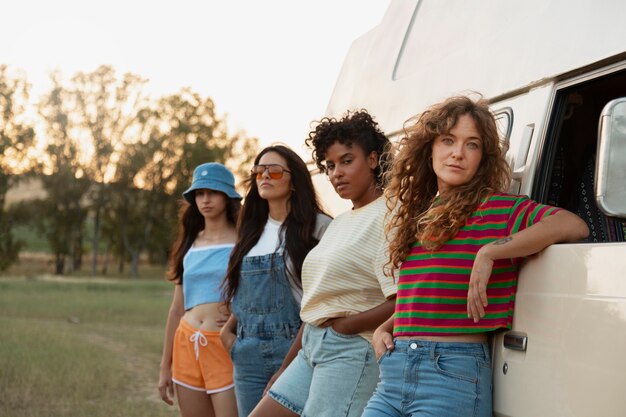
(562, 226)
(364, 321)
(382, 341)
(228, 333)
(177, 310)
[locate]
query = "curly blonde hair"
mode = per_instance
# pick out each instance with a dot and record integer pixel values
(417, 215)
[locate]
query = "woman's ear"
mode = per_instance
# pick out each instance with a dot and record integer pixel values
(372, 160)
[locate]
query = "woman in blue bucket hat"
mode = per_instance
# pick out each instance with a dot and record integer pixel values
(281, 221)
(194, 361)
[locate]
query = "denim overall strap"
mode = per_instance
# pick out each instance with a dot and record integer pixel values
(264, 303)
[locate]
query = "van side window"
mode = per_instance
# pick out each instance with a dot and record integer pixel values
(571, 175)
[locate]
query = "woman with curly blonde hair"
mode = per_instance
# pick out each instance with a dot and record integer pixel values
(458, 240)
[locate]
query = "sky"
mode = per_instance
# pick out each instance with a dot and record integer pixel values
(270, 66)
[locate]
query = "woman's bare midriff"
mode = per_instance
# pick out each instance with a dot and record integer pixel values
(461, 338)
(203, 316)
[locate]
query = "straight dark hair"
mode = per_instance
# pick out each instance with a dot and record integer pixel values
(190, 223)
(298, 228)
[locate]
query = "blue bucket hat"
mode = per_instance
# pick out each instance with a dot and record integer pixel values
(212, 176)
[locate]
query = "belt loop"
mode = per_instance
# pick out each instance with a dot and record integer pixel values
(433, 346)
(486, 351)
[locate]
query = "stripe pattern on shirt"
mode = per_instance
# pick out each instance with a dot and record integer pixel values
(433, 285)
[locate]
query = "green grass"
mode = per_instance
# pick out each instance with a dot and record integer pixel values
(81, 347)
(31, 240)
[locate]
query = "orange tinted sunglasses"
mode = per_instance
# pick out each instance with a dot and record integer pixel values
(275, 171)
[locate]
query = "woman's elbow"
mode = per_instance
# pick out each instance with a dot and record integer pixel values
(576, 228)
(583, 229)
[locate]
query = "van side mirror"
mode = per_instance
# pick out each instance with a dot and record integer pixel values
(611, 159)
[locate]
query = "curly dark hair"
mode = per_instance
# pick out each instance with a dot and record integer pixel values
(354, 127)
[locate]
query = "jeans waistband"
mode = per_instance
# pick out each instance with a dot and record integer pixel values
(434, 348)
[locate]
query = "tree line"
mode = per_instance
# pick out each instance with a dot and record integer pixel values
(113, 157)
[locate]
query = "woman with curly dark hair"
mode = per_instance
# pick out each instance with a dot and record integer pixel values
(346, 293)
(458, 241)
(281, 221)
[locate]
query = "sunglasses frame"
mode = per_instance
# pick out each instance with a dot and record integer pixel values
(266, 167)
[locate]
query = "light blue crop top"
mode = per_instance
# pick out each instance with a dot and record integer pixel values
(204, 268)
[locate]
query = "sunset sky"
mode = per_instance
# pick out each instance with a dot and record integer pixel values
(269, 65)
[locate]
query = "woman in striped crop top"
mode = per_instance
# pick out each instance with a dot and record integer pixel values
(194, 362)
(457, 241)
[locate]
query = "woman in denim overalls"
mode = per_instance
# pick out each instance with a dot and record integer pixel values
(280, 222)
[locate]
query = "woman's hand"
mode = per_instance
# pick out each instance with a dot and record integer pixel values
(222, 319)
(339, 324)
(228, 338)
(382, 341)
(228, 332)
(477, 293)
(166, 386)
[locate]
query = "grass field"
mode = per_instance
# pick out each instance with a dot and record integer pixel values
(81, 347)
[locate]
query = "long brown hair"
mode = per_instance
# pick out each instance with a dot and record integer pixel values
(190, 223)
(298, 227)
(417, 216)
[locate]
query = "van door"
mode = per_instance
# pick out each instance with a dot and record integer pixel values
(566, 353)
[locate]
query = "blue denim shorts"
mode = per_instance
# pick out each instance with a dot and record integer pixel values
(433, 379)
(333, 375)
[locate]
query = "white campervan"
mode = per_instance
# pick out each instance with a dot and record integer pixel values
(554, 72)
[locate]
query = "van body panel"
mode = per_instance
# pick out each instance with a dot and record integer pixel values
(553, 65)
(424, 51)
(571, 305)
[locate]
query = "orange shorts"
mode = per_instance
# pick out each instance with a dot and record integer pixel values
(200, 361)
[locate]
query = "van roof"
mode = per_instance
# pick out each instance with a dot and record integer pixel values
(424, 51)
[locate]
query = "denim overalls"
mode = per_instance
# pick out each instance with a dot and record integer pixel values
(268, 320)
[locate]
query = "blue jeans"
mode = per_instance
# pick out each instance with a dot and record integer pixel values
(268, 320)
(433, 379)
(333, 375)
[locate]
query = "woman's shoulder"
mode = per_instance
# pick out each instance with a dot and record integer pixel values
(322, 221)
(503, 199)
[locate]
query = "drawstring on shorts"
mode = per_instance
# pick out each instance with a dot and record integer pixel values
(196, 338)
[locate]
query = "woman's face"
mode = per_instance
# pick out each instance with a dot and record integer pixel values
(456, 155)
(351, 173)
(270, 189)
(211, 203)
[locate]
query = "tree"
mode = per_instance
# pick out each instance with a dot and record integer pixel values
(61, 214)
(178, 132)
(106, 112)
(16, 137)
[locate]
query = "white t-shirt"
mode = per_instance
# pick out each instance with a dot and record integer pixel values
(269, 242)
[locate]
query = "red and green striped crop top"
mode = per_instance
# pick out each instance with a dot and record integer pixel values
(433, 285)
